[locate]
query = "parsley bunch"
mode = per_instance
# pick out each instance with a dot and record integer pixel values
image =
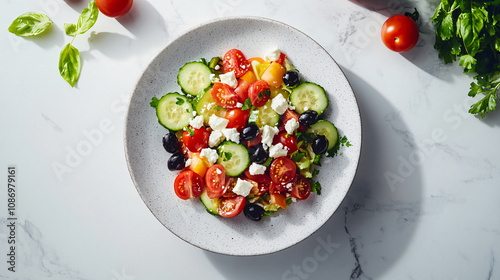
(470, 31)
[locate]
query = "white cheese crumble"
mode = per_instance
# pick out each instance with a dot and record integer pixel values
(217, 123)
(210, 154)
(217, 67)
(188, 162)
(231, 134)
(278, 150)
(197, 122)
(229, 78)
(239, 105)
(194, 113)
(214, 79)
(216, 137)
(279, 104)
(268, 133)
(257, 169)
(273, 55)
(291, 125)
(242, 187)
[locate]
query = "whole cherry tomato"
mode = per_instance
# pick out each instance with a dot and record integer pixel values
(400, 33)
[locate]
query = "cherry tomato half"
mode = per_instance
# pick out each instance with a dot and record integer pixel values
(242, 90)
(231, 206)
(278, 199)
(188, 184)
(288, 140)
(301, 188)
(224, 96)
(289, 114)
(260, 178)
(235, 61)
(282, 170)
(259, 93)
(399, 33)
(198, 141)
(114, 8)
(278, 188)
(260, 189)
(215, 178)
(237, 118)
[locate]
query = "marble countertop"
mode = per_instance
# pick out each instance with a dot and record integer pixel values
(424, 203)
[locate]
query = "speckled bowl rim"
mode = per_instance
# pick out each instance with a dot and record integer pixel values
(186, 32)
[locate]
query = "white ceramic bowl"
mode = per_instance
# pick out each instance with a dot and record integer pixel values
(147, 160)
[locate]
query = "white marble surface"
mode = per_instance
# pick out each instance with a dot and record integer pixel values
(437, 220)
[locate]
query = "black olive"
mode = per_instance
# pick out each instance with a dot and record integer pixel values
(253, 211)
(249, 132)
(291, 78)
(319, 144)
(308, 118)
(176, 162)
(258, 154)
(170, 142)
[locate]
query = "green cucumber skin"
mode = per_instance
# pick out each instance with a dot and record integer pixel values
(299, 108)
(209, 204)
(331, 144)
(159, 107)
(182, 69)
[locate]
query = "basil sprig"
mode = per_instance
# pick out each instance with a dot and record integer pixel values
(69, 59)
(30, 24)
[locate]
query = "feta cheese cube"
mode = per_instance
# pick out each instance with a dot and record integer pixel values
(214, 79)
(197, 121)
(217, 123)
(257, 169)
(229, 78)
(239, 105)
(210, 154)
(279, 104)
(231, 134)
(216, 137)
(278, 150)
(242, 187)
(273, 55)
(268, 133)
(188, 162)
(291, 125)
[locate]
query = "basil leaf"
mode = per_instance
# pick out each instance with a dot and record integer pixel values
(70, 64)
(30, 24)
(86, 20)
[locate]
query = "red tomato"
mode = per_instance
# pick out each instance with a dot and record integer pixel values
(198, 141)
(289, 141)
(230, 183)
(281, 59)
(254, 142)
(231, 206)
(188, 184)
(400, 33)
(224, 96)
(114, 8)
(278, 188)
(242, 90)
(260, 189)
(261, 178)
(301, 188)
(289, 114)
(235, 61)
(237, 118)
(282, 170)
(259, 92)
(215, 178)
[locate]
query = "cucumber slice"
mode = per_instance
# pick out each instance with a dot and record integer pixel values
(254, 115)
(267, 115)
(234, 157)
(211, 204)
(205, 106)
(326, 128)
(174, 111)
(194, 77)
(309, 96)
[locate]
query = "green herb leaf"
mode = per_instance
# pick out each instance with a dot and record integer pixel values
(467, 61)
(226, 156)
(86, 20)
(70, 64)
(218, 107)
(415, 15)
(315, 187)
(154, 102)
(267, 92)
(315, 172)
(190, 130)
(179, 101)
(296, 157)
(30, 24)
(247, 105)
